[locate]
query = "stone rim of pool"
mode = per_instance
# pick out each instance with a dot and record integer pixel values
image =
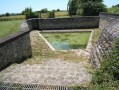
(88, 46)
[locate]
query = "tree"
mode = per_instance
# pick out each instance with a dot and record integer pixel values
(58, 10)
(45, 10)
(51, 14)
(72, 7)
(7, 14)
(86, 7)
(116, 5)
(29, 13)
(92, 7)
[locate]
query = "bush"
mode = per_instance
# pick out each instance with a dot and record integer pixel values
(51, 14)
(7, 14)
(29, 13)
(45, 10)
(107, 77)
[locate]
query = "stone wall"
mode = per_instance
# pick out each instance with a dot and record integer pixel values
(63, 23)
(69, 23)
(15, 48)
(109, 23)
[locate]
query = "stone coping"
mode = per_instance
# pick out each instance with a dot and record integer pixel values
(63, 18)
(109, 14)
(12, 37)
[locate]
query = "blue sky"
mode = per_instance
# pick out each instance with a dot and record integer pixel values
(16, 6)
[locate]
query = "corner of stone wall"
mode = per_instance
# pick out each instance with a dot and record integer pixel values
(24, 26)
(33, 24)
(109, 23)
(16, 47)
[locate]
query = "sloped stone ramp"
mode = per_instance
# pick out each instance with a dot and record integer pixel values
(49, 74)
(52, 72)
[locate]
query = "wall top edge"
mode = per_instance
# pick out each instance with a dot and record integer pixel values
(63, 18)
(109, 13)
(13, 37)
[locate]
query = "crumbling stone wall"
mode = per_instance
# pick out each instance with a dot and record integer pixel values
(109, 23)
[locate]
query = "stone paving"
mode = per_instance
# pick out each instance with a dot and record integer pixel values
(52, 72)
(48, 72)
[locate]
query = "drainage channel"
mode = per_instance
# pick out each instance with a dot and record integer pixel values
(8, 86)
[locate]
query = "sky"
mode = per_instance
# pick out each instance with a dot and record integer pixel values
(17, 6)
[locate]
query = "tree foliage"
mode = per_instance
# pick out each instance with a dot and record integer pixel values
(72, 7)
(45, 10)
(29, 13)
(51, 14)
(116, 5)
(86, 7)
(58, 10)
(7, 14)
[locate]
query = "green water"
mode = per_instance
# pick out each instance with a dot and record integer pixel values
(67, 41)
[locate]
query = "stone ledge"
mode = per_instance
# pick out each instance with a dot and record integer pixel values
(12, 37)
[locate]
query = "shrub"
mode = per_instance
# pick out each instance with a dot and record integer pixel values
(107, 76)
(7, 14)
(45, 10)
(29, 13)
(51, 14)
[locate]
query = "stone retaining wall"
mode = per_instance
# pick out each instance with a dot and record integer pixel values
(63, 23)
(15, 48)
(109, 23)
(68, 23)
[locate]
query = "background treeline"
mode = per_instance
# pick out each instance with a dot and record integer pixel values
(74, 8)
(29, 13)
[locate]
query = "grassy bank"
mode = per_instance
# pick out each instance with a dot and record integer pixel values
(113, 10)
(107, 76)
(9, 27)
(9, 18)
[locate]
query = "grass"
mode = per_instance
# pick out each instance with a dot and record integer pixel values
(69, 56)
(69, 40)
(96, 35)
(42, 53)
(61, 13)
(9, 27)
(9, 18)
(113, 10)
(62, 16)
(107, 76)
